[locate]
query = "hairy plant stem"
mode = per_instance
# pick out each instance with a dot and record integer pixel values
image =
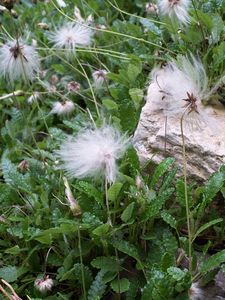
(46, 260)
(107, 203)
(186, 193)
(81, 263)
(89, 83)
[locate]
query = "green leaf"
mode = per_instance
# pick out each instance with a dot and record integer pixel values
(110, 104)
(169, 219)
(13, 250)
(97, 287)
(180, 193)
(206, 226)
(137, 96)
(133, 71)
(13, 177)
(101, 230)
(120, 285)
(213, 262)
(160, 171)
(217, 29)
(210, 190)
(89, 190)
(127, 248)
(127, 213)
(8, 273)
(76, 274)
(156, 204)
(114, 191)
(105, 263)
(213, 186)
(177, 273)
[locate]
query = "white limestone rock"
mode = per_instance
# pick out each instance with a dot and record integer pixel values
(205, 142)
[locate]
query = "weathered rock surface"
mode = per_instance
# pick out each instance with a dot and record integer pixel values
(159, 136)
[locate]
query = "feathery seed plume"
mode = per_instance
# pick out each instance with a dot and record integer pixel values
(70, 36)
(179, 87)
(175, 8)
(94, 153)
(62, 108)
(44, 284)
(18, 61)
(99, 78)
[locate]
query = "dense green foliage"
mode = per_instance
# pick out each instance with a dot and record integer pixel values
(136, 257)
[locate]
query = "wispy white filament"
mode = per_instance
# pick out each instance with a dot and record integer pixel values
(44, 284)
(175, 8)
(93, 153)
(70, 36)
(18, 61)
(63, 108)
(99, 78)
(172, 84)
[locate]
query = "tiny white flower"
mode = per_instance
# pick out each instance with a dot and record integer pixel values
(99, 78)
(61, 3)
(175, 8)
(44, 284)
(93, 153)
(62, 108)
(18, 61)
(70, 36)
(195, 292)
(179, 87)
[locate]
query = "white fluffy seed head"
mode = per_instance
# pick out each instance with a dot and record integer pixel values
(62, 108)
(93, 153)
(70, 36)
(174, 85)
(175, 8)
(18, 61)
(99, 77)
(44, 284)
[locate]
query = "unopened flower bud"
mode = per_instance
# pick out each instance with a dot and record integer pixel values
(43, 25)
(54, 79)
(74, 206)
(139, 183)
(23, 166)
(99, 78)
(151, 8)
(73, 86)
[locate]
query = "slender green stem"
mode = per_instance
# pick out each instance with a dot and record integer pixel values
(46, 259)
(186, 193)
(115, 32)
(132, 15)
(81, 262)
(107, 203)
(89, 83)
